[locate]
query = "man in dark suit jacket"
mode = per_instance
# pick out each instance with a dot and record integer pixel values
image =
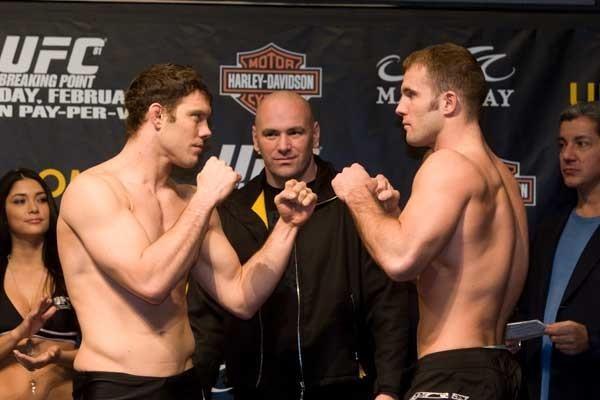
(563, 286)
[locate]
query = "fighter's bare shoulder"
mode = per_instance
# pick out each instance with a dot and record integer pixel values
(449, 169)
(92, 191)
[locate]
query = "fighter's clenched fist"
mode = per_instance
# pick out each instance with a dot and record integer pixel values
(350, 179)
(216, 180)
(354, 179)
(386, 194)
(295, 203)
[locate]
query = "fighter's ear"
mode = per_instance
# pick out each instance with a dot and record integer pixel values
(449, 102)
(155, 113)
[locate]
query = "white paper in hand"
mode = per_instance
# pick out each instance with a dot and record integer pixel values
(524, 330)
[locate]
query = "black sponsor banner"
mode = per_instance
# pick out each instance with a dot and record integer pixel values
(63, 69)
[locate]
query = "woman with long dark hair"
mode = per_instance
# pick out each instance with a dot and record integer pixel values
(38, 330)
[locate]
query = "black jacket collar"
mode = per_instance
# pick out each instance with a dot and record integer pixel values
(242, 200)
(247, 195)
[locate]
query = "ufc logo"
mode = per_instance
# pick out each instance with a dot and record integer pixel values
(52, 49)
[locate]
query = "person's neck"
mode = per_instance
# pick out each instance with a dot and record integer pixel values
(588, 202)
(27, 252)
(143, 163)
(458, 134)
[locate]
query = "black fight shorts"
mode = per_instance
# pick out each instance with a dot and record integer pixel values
(119, 386)
(466, 374)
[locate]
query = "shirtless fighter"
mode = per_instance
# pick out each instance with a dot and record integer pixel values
(462, 234)
(129, 237)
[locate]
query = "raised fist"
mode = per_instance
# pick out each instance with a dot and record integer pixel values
(216, 180)
(386, 194)
(350, 179)
(295, 203)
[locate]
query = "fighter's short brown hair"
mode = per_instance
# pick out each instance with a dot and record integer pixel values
(452, 67)
(165, 84)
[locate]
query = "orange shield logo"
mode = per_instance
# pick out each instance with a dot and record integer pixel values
(266, 70)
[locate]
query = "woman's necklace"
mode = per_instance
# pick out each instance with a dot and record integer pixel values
(29, 346)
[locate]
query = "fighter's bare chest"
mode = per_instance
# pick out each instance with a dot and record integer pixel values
(157, 214)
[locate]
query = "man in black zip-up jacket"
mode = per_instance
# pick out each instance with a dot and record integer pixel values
(335, 326)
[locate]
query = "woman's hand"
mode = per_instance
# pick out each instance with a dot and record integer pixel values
(51, 355)
(35, 320)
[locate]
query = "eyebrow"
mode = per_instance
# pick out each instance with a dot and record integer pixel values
(290, 129)
(25, 194)
(578, 137)
(199, 112)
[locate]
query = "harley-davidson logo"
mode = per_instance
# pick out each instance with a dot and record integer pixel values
(526, 182)
(266, 70)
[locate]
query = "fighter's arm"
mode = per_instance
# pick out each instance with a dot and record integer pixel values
(404, 246)
(243, 289)
(119, 245)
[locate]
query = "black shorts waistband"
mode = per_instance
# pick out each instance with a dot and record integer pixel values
(129, 378)
(108, 385)
(472, 357)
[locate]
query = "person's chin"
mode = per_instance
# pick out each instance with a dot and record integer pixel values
(283, 176)
(571, 181)
(34, 233)
(414, 142)
(187, 163)
(287, 171)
